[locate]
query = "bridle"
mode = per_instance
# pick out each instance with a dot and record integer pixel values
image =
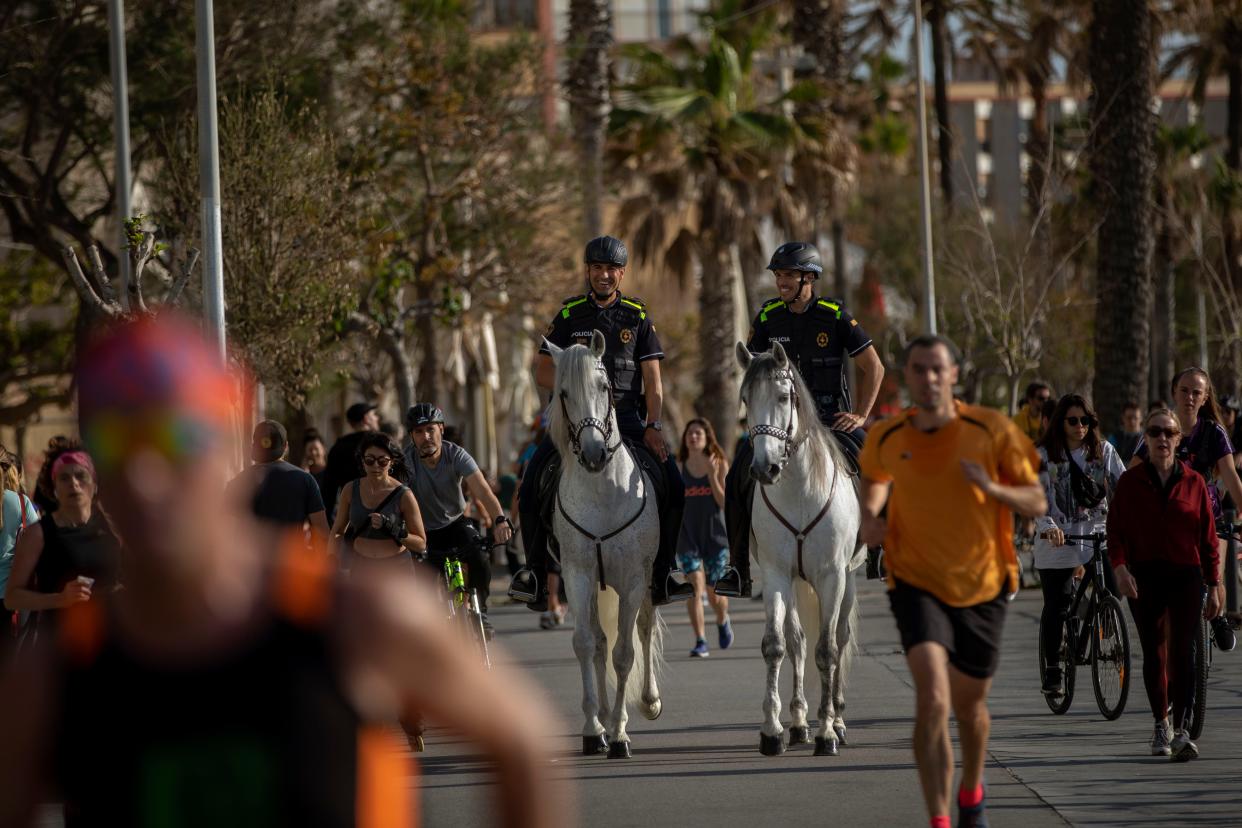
(785, 435)
(604, 427)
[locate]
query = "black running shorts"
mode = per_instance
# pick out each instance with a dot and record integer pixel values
(972, 635)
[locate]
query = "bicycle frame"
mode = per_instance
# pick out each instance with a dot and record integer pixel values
(1078, 616)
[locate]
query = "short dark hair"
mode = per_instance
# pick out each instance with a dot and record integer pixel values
(931, 341)
(1130, 405)
(1035, 387)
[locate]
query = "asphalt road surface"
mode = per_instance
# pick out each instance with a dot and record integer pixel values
(699, 763)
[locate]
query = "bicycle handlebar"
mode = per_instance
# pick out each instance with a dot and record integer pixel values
(1094, 536)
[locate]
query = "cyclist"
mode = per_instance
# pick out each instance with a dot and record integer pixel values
(226, 684)
(438, 468)
(380, 537)
(1206, 447)
(1162, 543)
(952, 474)
(1079, 472)
(632, 360)
(818, 334)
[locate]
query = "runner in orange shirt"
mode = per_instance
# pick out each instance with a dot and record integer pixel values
(952, 476)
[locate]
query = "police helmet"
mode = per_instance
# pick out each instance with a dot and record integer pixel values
(606, 250)
(797, 256)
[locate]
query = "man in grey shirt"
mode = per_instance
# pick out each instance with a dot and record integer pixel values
(437, 470)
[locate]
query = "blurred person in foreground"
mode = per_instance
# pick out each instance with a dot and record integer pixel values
(226, 685)
(280, 493)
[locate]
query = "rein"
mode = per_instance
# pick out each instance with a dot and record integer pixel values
(598, 540)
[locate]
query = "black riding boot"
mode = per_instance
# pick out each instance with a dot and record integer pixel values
(739, 496)
(663, 588)
(530, 584)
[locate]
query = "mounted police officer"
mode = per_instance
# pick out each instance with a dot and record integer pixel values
(818, 334)
(632, 360)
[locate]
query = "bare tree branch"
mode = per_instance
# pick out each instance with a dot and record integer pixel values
(183, 278)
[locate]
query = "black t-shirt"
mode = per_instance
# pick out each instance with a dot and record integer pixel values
(283, 493)
(818, 340)
(629, 337)
(341, 467)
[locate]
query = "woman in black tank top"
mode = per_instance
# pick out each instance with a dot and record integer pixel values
(72, 554)
(377, 518)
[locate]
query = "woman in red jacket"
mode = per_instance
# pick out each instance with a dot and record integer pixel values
(1162, 542)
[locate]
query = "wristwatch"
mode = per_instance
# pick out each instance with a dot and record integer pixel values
(501, 519)
(656, 425)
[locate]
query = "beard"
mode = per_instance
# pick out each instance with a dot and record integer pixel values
(428, 451)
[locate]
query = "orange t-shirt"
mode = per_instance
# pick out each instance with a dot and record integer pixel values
(944, 536)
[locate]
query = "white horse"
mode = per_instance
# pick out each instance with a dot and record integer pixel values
(608, 529)
(805, 522)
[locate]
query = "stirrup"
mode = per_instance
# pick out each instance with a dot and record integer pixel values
(524, 589)
(731, 584)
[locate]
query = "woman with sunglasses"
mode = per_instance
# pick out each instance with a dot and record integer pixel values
(1162, 542)
(1206, 447)
(1080, 472)
(377, 516)
(71, 555)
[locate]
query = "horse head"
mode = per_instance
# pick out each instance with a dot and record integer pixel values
(771, 398)
(582, 413)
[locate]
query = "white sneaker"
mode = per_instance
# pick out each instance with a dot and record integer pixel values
(1160, 739)
(1182, 749)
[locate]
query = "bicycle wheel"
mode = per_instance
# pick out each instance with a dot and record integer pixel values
(1060, 704)
(1110, 657)
(1197, 710)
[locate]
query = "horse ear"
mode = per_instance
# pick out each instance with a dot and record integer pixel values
(782, 359)
(597, 344)
(553, 350)
(743, 354)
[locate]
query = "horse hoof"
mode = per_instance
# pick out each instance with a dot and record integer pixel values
(825, 747)
(799, 735)
(652, 711)
(594, 745)
(840, 731)
(619, 750)
(771, 745)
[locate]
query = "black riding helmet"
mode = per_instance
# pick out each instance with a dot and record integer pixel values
(606, 250)
(801, 256)
(422, 414)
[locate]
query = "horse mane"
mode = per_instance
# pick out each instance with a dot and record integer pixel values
(824, 453)
(573, 368)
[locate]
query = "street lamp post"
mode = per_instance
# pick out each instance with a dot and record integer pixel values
(120, 109)
(929, 270)
(209, 175)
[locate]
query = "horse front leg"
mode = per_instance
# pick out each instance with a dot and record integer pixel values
(586, 647)
(650, 636)
(622, 663)
(827, 659)
(799, 731)
(776, 602)
(845, 634)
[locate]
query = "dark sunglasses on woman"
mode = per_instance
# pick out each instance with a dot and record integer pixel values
(1088, 422)
(1157, 431)
(380, 461)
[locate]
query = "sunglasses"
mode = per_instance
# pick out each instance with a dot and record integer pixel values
(382, 462)
(1167, 433)
(1085, 422)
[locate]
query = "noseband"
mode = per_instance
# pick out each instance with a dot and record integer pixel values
(604, 427)
(785, 435)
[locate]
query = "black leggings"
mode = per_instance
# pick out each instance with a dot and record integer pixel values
(459, 539)
(1166, 613)
(1058, 588)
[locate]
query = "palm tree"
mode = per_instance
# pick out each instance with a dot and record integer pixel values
(1122, 165)
(587, 82)
(706, 156)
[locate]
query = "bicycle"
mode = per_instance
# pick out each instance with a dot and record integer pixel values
(462, 602)
(1205, 639)
(1093, 632)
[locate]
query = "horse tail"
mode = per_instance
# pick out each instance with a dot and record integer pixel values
(807, 604)
(609, 605)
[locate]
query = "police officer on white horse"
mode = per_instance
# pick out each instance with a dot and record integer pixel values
(818, 334)
(632, 360)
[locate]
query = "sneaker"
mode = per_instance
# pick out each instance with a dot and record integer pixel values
(975, 816)
(1160, 739)
(1052, 681)
(1222, 634)
(551, 620)
(1181, 748)
(700, 649)
(732, 585)
(724, 633)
